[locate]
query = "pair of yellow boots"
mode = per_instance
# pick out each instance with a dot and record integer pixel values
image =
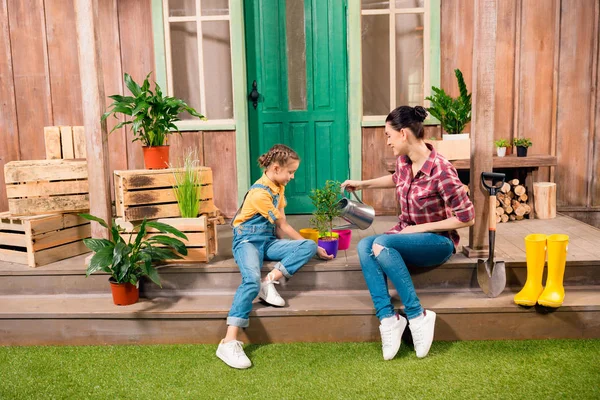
(535, 250)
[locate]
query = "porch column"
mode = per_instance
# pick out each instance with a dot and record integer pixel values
(482, 123)
(92, 95)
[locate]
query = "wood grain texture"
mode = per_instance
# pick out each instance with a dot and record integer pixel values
(505, 69)
(52, 143)
(9, 137)
(30, 71)
(219, 155)
(374, 153)
(181, 144)
(536, 75)
(574, 96)
(595, 182)
(45, 170)
(137, 56)
(63, 63)
(484, 100)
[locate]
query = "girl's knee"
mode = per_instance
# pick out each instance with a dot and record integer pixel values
(311, 246)
(252, 284)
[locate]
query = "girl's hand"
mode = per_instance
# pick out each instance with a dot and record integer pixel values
(323, 254)
(352, 186)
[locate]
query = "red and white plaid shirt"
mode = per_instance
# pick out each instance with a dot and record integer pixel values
(434, 194)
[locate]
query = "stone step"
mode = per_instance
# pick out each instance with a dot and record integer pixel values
(68, 277)
(317, 316)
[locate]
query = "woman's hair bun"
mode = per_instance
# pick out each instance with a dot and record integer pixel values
(420, 113)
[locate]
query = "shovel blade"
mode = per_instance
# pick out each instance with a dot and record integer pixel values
(491, 277)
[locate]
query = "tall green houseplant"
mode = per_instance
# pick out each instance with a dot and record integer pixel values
(187, 186)
(152, 115)
(453, 114)
(325, 200)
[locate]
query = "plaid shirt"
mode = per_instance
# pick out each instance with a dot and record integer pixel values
(435, 194)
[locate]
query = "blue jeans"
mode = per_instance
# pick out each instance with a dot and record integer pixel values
(415, 249)
(253, 243)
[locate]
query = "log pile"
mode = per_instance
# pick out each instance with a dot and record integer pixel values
(511, 202)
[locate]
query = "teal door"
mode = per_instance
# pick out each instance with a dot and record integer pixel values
(296, 56)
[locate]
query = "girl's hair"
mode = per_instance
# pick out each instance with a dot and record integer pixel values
(408, 117)
(280, 154)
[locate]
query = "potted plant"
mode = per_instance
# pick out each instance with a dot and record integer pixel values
(522, 145)
(128, 261)
(325, 201)
(187, 186)
(501, 145)
(152, 118)
(453, 114)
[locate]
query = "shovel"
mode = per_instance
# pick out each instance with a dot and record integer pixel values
(491, 275)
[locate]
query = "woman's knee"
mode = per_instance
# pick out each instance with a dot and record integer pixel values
(365, 246)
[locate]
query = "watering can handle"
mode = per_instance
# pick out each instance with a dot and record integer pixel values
(354, 193)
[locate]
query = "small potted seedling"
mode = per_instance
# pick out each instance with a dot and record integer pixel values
(325, 201)
(501, 146)
(522, 145)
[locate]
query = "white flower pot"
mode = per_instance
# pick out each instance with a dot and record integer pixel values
(501, 151)
(460, 136)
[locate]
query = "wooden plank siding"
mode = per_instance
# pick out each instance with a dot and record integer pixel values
(547, 75)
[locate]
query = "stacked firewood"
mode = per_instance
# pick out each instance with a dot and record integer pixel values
(511, 202)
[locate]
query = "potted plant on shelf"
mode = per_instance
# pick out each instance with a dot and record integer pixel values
(522, 145)
(501, 145)
(325, 201)
(128, 261)
(454, 114)
(152, 118)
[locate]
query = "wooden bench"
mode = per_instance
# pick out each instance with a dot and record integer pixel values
(528, 166)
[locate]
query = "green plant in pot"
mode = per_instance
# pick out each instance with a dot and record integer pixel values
(522, 145)
(151, 116)
(453, 113)
(501, 146)
(325, 200)
(127, 261)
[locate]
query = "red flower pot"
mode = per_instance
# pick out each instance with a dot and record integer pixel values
(156, 157)
(124, 294)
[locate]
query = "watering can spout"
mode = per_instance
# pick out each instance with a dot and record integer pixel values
(358, 214)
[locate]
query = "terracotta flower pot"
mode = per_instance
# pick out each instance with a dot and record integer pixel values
(156, 157)
(124, 294)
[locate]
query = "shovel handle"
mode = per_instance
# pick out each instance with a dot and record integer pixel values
(493, 212)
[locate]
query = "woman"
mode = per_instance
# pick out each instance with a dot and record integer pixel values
(433, 205)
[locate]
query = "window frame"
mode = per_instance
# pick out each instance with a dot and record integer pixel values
(431, 58)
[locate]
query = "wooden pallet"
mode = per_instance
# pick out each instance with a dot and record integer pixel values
(42, 239)
(46, 186)
(64, 142)
(149, 194)
(201, 233)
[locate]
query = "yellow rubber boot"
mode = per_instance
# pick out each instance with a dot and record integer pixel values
(535, 253)
(554, 293)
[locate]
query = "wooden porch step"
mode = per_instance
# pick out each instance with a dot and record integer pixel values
(314, 316)
(68, 277)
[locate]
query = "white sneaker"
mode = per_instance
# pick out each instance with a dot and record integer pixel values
(233, 354)
(422, 329)
(391, 335)
(269, 294)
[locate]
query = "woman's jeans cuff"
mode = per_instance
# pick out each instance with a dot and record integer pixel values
(239, 322)
(279, 266)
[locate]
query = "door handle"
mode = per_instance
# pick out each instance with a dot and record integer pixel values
(254, 95)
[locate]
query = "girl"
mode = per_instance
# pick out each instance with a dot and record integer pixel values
(258, 228)
(433, 205)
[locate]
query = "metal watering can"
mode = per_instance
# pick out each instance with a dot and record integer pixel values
(358, 214)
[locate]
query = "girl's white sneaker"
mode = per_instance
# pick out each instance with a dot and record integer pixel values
(232, 354)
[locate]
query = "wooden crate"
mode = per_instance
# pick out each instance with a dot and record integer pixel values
(64, 142)
(46, 186)
(42, 239)
(201, 233)
(453, 149)
(149, 194)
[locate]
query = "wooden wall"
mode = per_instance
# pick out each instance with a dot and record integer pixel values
(547, 79)
(39, 84)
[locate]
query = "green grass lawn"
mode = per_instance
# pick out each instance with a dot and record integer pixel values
(550, 369)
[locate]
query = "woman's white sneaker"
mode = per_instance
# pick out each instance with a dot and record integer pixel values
(232, 354)
(269, 294)
(422, 328)
(391, 330)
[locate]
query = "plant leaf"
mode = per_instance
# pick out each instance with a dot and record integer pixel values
(93, 218)
(96, 245)
(165, 228)
(102, 259)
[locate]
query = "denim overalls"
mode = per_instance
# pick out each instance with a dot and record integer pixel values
(254, 240)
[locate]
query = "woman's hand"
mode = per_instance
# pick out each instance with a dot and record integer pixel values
(322, 253)
(412, 229)
(352, 186)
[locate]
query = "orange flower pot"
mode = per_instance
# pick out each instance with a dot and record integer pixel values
(156, 157)
(124, 294)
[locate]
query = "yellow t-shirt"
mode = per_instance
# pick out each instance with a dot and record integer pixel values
(259, 201)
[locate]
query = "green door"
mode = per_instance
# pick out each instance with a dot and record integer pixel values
(296, 54)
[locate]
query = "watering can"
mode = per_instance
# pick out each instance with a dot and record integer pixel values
(358, 214)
